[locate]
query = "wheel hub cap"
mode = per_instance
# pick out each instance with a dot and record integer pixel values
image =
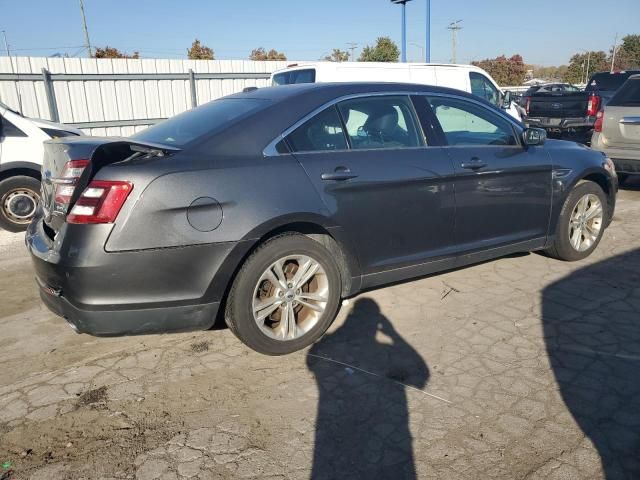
(20, 205)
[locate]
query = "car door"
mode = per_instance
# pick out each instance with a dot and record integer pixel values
(503, 190)
(393, 195)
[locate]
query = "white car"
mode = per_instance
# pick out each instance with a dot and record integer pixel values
(467, 78)
(21, 153)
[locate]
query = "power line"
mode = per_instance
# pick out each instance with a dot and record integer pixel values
(454, 27)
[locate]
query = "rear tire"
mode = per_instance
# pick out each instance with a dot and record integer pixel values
(296, 312)
(19, 198)
(576, 235)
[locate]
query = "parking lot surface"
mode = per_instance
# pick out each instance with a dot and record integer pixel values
(524, 367)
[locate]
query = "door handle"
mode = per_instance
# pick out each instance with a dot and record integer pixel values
(339, 174)
(474, 164)
(630, 121)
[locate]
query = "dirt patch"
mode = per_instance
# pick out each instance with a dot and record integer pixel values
(199, 347)
(93, 397)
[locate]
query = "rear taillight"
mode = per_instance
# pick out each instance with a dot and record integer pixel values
(593, 107)
(100, 202)
(599, 121)
(527, 106)
(67, 182)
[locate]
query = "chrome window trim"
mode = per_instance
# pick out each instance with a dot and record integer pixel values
(270, 149)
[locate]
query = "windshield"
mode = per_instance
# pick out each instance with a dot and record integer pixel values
(207, 119)
(295, 76)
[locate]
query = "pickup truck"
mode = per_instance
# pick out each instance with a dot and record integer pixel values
(572, 114)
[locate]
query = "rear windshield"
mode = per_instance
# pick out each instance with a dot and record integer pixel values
(607, 81)
(628, 95)
(295, 76)
(206, 119)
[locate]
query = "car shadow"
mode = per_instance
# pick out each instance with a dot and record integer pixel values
(363, 371)
(591, 322)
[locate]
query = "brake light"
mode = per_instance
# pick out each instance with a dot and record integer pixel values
(599, 121)
(593, 107)
(100, 202)
(70, 175)
(527, 105)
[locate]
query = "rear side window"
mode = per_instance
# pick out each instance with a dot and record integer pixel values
(466, 123)
(321, 133)
(380, 122)
(482, 87)
(206, 119)
(628, 95)
(8, 129)
(295, 76)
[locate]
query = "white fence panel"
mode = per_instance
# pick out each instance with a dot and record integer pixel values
(121, 96)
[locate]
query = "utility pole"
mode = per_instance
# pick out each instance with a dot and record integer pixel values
(613, 57)
(427, 50)
(87, 42)
(6, 45)
(404, 27)
(352, 47)
(454, 27)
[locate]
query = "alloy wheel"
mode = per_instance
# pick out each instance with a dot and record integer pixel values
(290, 297)
(585, 222)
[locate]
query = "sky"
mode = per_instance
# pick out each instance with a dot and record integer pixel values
(544, 32)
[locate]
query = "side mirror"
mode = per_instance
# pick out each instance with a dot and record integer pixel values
(534, 136)
(506, 99)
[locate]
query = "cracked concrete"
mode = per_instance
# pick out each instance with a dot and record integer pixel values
(523, 367)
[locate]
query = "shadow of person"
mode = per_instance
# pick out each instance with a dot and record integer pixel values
(363, 370)
(591, 322)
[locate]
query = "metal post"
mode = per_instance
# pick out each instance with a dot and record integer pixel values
(588, 67)
(613, 58)
(404, 32)
(51, 96)
(87, 42)
(192, 86)
(427, 51)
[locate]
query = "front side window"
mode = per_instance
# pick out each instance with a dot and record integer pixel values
(380, 122)
(321, 133)
(466, 123)
(483, 88)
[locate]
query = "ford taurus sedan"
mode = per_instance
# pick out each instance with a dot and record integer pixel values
(268, 207)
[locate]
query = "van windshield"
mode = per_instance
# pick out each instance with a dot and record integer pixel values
(206, 119)
(295, 76)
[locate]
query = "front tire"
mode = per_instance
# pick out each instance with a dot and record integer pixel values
(19, 198)
(285, 296)
(581, 223)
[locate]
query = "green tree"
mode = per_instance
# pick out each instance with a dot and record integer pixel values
(260, 54)
(111, 52)
(505, 71)
(337, 56)
(577, 69)
(551, 74)
(628, 55)
(385, 50)
(199, 51)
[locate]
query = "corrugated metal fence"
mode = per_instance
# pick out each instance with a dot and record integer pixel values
(121, 96)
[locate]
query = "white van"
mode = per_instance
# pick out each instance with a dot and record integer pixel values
(462, 77)
(21, 153)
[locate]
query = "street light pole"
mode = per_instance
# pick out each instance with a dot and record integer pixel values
(404, 27)
(427, 51)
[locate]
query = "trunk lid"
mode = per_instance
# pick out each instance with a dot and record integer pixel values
(62, 181)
